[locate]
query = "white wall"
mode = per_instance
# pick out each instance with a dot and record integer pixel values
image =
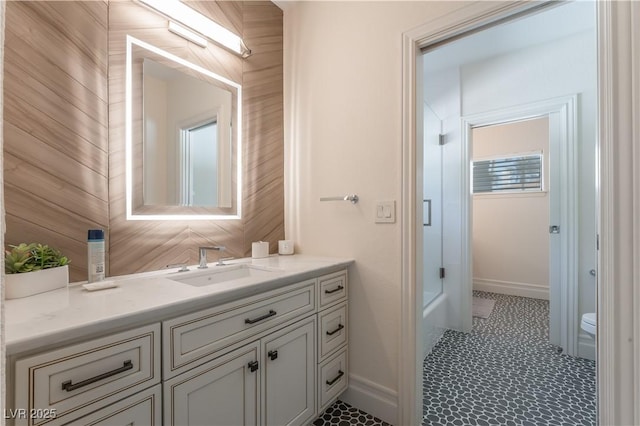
(343, 112)
(510, 230)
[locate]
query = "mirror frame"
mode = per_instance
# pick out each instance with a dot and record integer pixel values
(129, 164)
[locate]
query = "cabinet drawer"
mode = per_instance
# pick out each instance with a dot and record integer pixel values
(333, 330)
(333, 288)
(143, 408)
(71, 379)
(193, 339)
(333, 379)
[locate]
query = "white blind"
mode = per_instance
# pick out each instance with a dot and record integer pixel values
(516, 173)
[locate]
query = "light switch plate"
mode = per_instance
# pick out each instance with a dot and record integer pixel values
(386, 211)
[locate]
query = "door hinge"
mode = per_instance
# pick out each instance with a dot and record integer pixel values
(441, 139)
(597, 241)
(441, 273)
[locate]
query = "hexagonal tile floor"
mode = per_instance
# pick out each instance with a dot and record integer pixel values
(506, 372)
(342, 414)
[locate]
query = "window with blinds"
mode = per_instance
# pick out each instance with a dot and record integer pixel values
(508, 174)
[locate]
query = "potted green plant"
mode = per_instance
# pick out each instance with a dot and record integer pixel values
(34, 268)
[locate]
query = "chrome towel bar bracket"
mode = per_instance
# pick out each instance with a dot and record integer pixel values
(353, 198)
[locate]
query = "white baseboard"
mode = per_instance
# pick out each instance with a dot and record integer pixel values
(586, 346)
(372, 398)
(535, 291)
(434, 319)
(430, 340)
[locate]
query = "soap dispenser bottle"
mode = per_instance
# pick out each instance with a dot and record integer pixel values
(95, 255)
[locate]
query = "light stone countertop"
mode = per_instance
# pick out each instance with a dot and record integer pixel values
(69, 314)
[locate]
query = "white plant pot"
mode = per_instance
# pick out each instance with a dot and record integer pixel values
(30, 283)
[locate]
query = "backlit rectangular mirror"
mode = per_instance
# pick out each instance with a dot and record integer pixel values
(183, 129)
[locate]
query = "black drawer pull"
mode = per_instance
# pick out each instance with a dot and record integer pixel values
(272, 355)
(253, 366)
(338, 377)
(331, 333)
(264, 317)
(334, 290)
(68, 386)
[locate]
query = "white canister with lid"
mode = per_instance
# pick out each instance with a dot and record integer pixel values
(285, 247)
(259, 249)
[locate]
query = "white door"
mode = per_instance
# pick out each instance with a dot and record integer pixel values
(289, 375)
(220, 392)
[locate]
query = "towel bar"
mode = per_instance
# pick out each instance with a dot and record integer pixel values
(353, 198)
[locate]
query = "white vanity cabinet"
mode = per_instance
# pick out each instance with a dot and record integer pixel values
(333, 328)
(276, 357)
(249, 362)
(64, 385)
(272, 359)
(269, 381)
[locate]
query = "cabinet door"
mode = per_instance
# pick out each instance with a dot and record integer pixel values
(289, 375)
(220, 392)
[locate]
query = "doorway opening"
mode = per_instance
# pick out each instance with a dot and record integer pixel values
(497, 78)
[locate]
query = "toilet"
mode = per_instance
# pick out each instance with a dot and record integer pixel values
(588, 324)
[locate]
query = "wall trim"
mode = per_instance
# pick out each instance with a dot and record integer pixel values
(635, 107)
(605, 304)
(432, 333)
(535, 291)
(375, 399)
(618, 355)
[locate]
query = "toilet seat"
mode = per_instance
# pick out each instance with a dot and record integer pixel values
(588, 323)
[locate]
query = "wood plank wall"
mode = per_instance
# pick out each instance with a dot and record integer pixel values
(55, 125)
(147, 245)
(64, 130)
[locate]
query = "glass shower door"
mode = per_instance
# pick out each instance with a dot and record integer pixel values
(432, 207)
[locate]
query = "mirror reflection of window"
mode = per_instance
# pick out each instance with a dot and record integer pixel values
(187, 145)
(199, 171)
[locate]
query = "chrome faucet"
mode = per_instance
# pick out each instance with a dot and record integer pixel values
(203, 255)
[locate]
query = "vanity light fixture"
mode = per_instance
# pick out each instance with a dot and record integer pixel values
(185, 33)
(199, 23)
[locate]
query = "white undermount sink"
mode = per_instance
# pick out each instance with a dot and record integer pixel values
(223, 274)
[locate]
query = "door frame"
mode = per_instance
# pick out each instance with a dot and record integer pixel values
(563, 116)
(616, 58)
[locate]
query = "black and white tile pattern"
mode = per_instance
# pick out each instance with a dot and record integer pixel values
(342, 414)
(505, 372)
